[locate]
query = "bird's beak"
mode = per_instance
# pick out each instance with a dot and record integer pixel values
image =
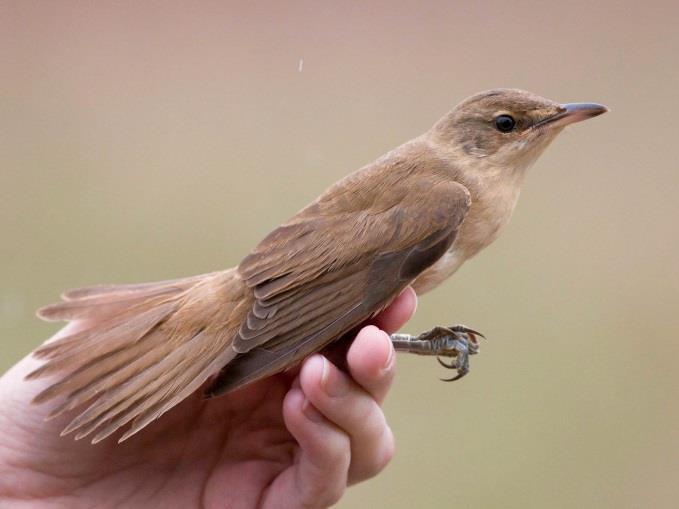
(571, 113)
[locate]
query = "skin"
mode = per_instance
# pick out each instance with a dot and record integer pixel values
(294, 440)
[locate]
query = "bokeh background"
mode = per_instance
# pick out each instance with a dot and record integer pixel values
(144, 141)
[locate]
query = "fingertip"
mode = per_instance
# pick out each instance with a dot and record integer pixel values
(318, 477)
(370, 353)
(372, 361)
(399, 311)
(292, 406)
(408, 299)
(311, 376)
(299, 412)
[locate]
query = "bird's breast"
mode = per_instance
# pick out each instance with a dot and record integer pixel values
(438, 272)
(489, 213)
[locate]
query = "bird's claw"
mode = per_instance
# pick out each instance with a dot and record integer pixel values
(457, 342)
(445, 364)
(473, 337)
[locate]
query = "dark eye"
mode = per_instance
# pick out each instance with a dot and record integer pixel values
(505, 123)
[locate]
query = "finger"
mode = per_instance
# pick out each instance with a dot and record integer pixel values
(318, 476)
(372, 362)
(398, 313)
(354, 411)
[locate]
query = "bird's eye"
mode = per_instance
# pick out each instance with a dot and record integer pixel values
(505, 123)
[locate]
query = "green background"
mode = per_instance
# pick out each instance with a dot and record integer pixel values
(144, 142)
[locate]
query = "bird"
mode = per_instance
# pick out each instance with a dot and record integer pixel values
(410, 218)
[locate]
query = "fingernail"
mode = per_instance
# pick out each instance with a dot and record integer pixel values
(324, 371)
(310, 411)
(409, 289)
(331, 383)
(391, 358)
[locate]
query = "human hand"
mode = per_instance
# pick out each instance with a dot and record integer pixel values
(294, 440)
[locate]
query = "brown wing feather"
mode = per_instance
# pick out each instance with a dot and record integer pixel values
(367, 261)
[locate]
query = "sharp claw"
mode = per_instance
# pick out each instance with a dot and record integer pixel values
(467, 330)
(456, 377)
(475, 333)
(445, 364)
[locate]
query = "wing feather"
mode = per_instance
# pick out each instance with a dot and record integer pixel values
(352, 267)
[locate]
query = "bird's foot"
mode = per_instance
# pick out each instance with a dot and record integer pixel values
(456, 341)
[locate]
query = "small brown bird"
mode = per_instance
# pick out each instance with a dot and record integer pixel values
(412, 217)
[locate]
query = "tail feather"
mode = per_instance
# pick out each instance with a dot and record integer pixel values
(136, 288)
(149, 394)
(184, 384)
(146, 348)
(91, 334)
(86, 348)
(105, 371)
(100, 307)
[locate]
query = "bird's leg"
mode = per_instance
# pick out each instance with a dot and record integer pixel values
(455, 341)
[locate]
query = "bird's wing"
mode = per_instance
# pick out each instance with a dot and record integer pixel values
(325, 272)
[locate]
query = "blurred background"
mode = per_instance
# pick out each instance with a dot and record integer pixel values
(144, 142)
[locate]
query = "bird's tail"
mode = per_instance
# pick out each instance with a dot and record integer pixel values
(141, 349)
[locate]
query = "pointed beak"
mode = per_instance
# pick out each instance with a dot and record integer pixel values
(573, 112)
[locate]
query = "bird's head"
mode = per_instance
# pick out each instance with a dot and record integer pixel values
(508, 128)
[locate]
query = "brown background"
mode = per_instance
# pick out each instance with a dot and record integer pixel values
(149, 142)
